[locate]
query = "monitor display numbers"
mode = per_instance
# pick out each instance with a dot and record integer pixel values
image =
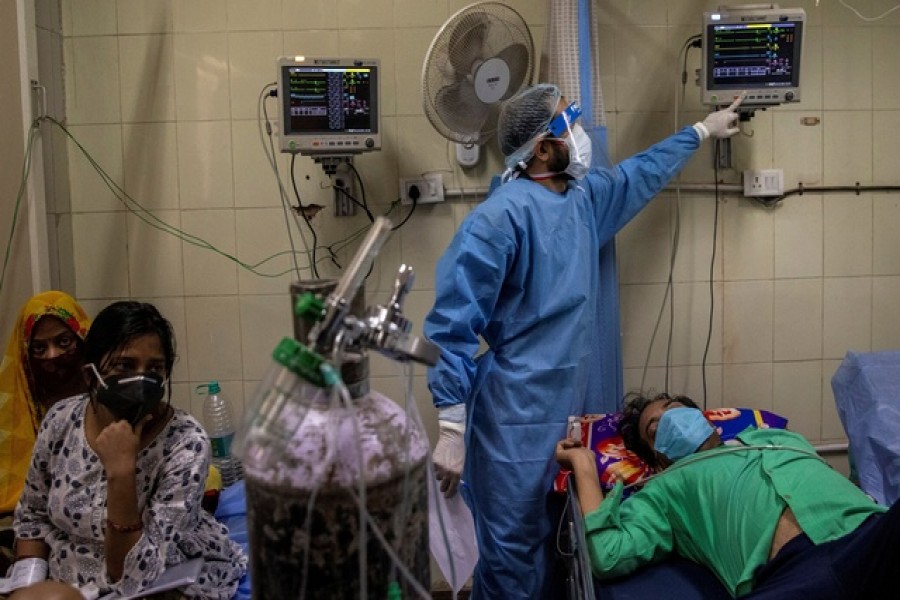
(754, 54)
(326, 100)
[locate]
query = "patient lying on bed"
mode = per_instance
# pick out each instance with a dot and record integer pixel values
(766, 515)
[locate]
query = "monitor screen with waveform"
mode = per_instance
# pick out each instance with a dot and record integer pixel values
(329, 106)
(757, 54)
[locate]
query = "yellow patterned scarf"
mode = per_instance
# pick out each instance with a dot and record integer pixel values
(20, 416)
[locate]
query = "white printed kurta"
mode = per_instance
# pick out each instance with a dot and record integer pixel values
(64, 504)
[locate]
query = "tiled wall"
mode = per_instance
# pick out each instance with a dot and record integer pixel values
(164, 93)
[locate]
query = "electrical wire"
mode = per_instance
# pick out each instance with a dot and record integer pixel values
(669, 292)
(273, 163)
(300, 209)
(362, 191)
(712, 272)
(26, 169)
(869, 19)
(408, 215)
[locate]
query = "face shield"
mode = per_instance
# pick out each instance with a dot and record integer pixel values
(523, 121)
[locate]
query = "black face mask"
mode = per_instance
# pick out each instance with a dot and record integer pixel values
(132, 396)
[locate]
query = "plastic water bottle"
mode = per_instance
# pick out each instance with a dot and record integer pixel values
(220, 428)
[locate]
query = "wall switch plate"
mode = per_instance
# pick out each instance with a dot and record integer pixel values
(763, 182)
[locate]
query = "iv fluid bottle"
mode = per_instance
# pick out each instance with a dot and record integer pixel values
(220, 428)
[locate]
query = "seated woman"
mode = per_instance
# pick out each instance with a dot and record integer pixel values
(42, 365)
(113, 495)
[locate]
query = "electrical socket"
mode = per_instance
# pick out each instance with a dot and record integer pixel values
(763, 182)
(430, 187)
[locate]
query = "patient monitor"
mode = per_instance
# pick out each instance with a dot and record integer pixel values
(754, 49)
(329, 106)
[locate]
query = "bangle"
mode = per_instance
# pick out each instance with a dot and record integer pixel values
(124, 528)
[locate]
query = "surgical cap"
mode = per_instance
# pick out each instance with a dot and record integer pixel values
(523, 118)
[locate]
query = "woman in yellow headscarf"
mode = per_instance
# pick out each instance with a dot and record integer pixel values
(42, 364)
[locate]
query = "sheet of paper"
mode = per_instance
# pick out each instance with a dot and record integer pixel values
(174, 577)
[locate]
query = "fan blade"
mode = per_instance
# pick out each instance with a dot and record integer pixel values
(516, 58)
(460, 109)
(466, 43)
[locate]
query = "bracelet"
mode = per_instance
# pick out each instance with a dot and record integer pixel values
(124, 528)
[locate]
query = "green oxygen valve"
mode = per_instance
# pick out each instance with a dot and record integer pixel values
(310, 307)
(301, 361)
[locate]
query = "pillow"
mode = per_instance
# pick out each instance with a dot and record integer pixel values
(614, 461)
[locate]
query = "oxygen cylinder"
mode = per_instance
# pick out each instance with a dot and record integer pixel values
(310, 459)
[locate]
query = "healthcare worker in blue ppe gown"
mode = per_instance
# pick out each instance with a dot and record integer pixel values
(522, 273)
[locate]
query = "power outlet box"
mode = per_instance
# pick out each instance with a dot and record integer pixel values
(430, 189)
(763, 182)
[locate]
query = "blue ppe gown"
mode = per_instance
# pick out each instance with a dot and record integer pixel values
(523, 273)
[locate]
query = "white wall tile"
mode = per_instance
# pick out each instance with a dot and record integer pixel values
(797, 148)
(848, 316)
(254, 15)
(202, 88)
(146, 16)
(644, 246)
(748, 385)
(848, 234)
(101, 255)
(265, 320)
(311, 42)
(404, 84)
(92, 80)
(748, 321)
(798, 319)
(649, 12)
(885, 79)
(415, 13)
(89, 17)
(214, 338)
(692, 318)
(87, 188)
(886, 163)
(310, 14)
(799, 228)
(695, 242)
(200, 15)
(639, 305)
(643, 81)
(811, 72)
(798, 396)
(207, 272)
(752, 148)
(151, 164)
(173, 310)
(154, 256)
(832, 428)
(204, 164)
(147, 78)
(748, 241)
(682, 380)
(420, 146)
(254, 181)
(848, 147)
(261, 234)
(885, 242)
(848, 72)
(885, 308)
(375, 14)
(252, 63)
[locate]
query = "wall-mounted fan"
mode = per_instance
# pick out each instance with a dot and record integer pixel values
(480, 57)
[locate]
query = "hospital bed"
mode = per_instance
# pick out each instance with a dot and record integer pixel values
(673, 578)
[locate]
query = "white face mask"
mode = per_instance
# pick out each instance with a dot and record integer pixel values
(579, 144)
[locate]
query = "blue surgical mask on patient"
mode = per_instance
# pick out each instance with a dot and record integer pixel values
(681, 431)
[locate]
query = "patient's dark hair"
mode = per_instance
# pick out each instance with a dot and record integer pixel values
(629, 427)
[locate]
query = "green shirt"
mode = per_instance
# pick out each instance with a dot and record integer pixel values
(720, 507)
